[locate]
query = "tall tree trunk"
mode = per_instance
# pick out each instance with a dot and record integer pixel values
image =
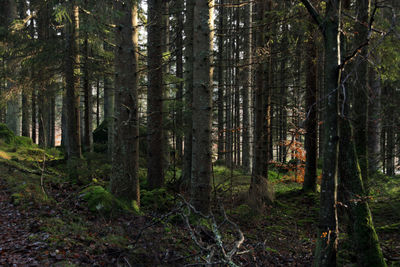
(87, 89)
(390, 133)
(155, 141)
(360, 103)
(202, 105)
(374, 122)
(311, 146)
(259, 190)
(237, 126)
(72, 85)
(25, 107)
(187, 165)
(179, 74)
(221, 82)
(124, 180)
(13, 118)
(326, 247)
(247, 87)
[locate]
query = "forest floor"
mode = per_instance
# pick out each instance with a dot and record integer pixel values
(47, 219)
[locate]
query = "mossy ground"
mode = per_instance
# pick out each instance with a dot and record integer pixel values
(67, 229)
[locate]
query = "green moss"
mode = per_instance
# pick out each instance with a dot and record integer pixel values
(100, 200)
(244, 213)
(23, 141)
(395, 227)
(6, 134)
(158, 199)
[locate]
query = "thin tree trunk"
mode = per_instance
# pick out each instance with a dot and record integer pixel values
(221, 82)
(87, 89)
(311, 146)
(187, 166)
(247, 88)
(179, 74)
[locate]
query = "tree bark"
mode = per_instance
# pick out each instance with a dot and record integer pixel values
(202, 105)
(155, 140)
(187, 165)
(221, 82)
(360, 104)
(247, 88)
(124, 180)
(326, 247)
(311, 127)
(179, 74)
(362, 231)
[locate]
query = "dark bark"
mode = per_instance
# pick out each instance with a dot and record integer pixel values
(362, 231)
(221, 82)
(326, 247)
(202, 106)
(360, 104)
(247, 87)
(311, 127)
(155, 140)
(374, 122)
(87, 89)
(187, 165)
(72, 85)
(259, 188)
(179, 74)
(124, 180)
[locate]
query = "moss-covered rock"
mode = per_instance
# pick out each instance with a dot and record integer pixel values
(102, 201)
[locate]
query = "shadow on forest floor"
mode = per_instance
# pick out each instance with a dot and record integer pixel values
(60, 228)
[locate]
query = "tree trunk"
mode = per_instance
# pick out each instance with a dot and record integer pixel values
(179, 74)
(326, 247)
(155, 141)
(187, 165)
(362, 231)
(221, 82)
(72, 85)
(202, 105)
(124, 180)
(259, 188)
(374, 122)
(360, 104)
(247, 87)
(87, 89)
(311, 127)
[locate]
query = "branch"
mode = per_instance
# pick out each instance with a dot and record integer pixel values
(314, 14)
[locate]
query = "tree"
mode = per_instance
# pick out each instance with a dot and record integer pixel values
(72, 79)
(188, 122)
(202, 105)
(360, 100)
(311, 127)
(329, 25)
(124, 180)
(247, 86)
(221, 81)
(259, 188)
(155, 140)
